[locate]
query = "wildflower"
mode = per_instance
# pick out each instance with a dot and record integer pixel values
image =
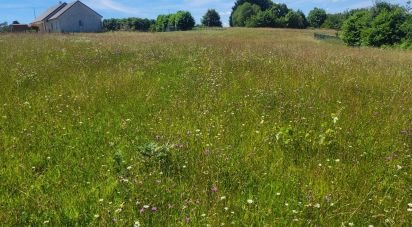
(223, 198)
(154, 209)
(287, 204)
(129, 168)
(187, 219)
(409, 209)
(250, 201)
(317, 205)
(96, 216)
(100, 200)
(399, 167)
(136, 224)
(350, 224)
(337, 160)
(146, 206)
(118, 210)
(214, 189)
(142, 210)
(278, 194)
(203, 215)
(46, 222)
(370, 226)
(226, 208)
(410, 205)
(335, 119)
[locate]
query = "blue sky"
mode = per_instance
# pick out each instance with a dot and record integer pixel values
(23, 10)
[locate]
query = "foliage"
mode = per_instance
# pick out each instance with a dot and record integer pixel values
(263, 4)
(335, 21)
(353, 26)
(277, 16)
(386, 28)
(179, 21)
(296, 19)
(243, 14)
(184, 21)
(384, 24)
(316, 17)
(128, 24)
(211, 19)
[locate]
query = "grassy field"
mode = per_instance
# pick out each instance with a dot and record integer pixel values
(239, 127)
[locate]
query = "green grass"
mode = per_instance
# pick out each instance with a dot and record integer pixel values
(95, 127)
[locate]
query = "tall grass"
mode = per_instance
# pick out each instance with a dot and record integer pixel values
(237, 127)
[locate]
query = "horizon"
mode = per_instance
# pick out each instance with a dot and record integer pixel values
(26, 10)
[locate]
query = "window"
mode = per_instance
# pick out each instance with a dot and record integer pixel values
(80, 23)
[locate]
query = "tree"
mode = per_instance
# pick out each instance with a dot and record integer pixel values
(243, 13)
(211, 19)
(335, 21)
(296, 19)
(15, 22)
(263, 4)
(407, 28)
(279, 10)
(184, 21)
(316, 17)
(354, 26)
(128, 24)
(386, 28)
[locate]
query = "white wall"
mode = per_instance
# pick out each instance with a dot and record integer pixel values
(78, 18)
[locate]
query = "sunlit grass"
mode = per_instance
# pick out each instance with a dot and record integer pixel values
(236, 127)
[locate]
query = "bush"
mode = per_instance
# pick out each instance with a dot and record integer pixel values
(386, 28)
(353, 26)
(382, 25)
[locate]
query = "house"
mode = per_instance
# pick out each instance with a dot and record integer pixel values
(72, 17)
(18, 28)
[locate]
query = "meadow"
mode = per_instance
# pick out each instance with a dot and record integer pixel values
(234, 127)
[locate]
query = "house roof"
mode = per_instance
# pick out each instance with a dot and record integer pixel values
(50, 12)
(58, 10)
(67, 7)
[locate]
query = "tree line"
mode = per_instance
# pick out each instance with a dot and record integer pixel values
(384, 24)
(179, 21)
